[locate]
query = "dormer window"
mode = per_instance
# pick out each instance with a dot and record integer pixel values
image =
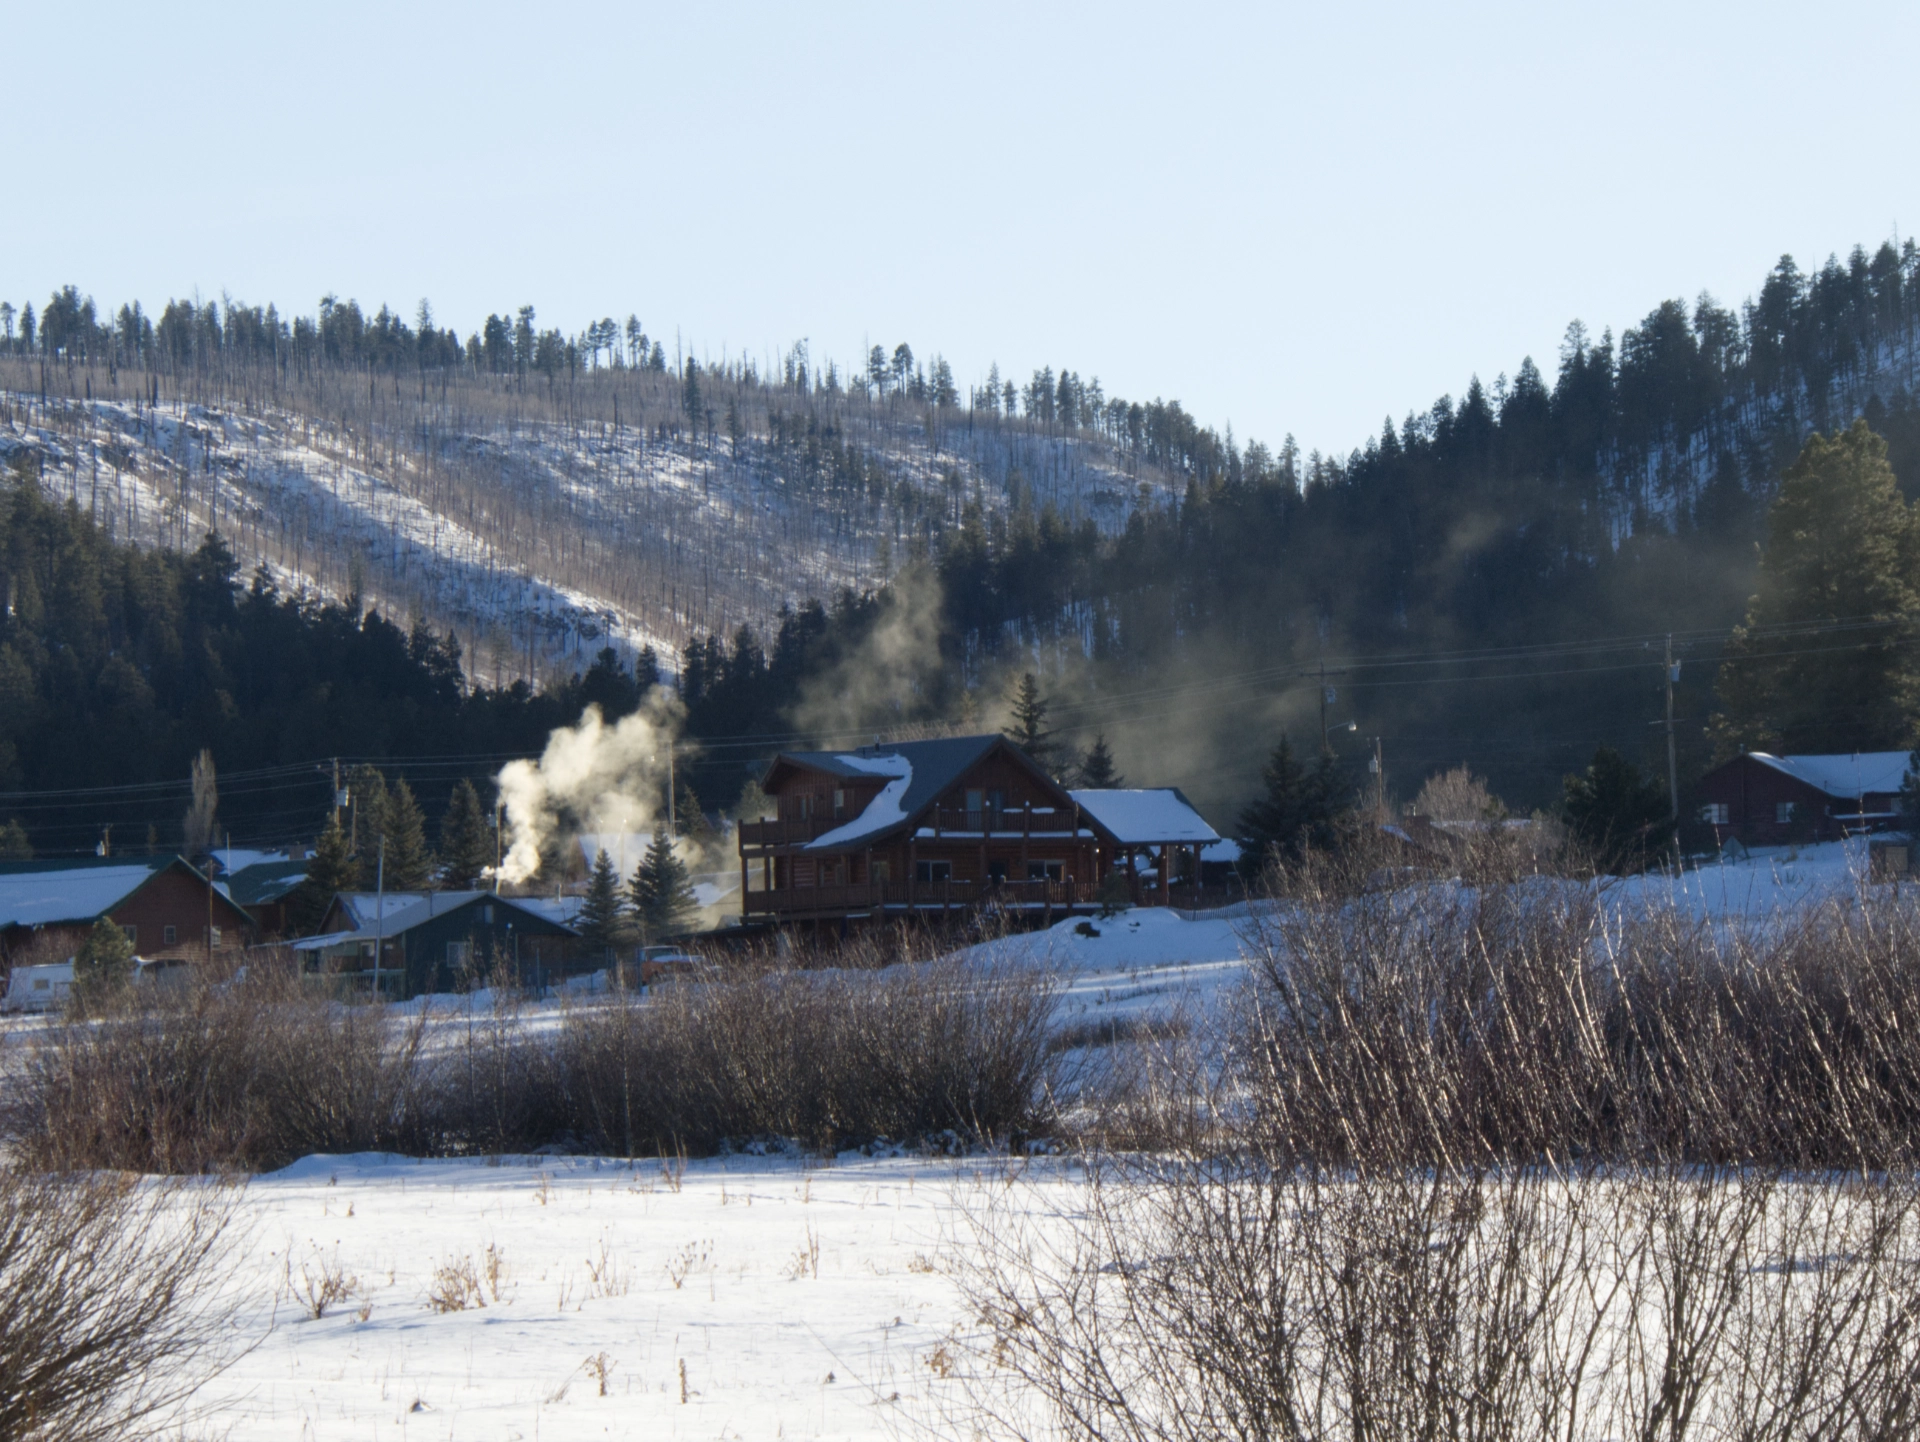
(839, 802)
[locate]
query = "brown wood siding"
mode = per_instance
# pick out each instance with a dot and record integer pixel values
(1752, 792)
(176, 899)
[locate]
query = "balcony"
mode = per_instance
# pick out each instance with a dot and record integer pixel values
(782, 832)
(917, 897)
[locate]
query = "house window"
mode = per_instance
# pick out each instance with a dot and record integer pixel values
(459, 955)
(1046, 871)
(1783, 812)
(1716, 813)
(839, 802)
(806, 807)
(168, 936)
(996, 872)
(132, 934)
(881, 871)
(213, 936)
(928, 872)
(976, 800)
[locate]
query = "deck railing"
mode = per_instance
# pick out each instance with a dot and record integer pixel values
(944, 895)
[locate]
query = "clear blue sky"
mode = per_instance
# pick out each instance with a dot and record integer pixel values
(1292, 218)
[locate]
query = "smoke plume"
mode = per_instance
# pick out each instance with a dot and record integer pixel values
(591, 777)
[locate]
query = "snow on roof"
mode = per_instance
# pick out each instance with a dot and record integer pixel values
(41, 895)
(1142, 818)
(1848, 774)
(364, 907)
(230, 859)
(882, 813)
(1224, 850)
(423, 907)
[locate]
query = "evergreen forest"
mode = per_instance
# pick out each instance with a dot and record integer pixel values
(1493, 578)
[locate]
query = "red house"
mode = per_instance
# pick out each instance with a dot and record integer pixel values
(929, 828)
(167, 908)
(1767, 800)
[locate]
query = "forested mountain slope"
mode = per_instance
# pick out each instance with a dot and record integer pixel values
(1490, 578)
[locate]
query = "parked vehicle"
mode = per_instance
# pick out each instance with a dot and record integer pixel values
(665, 963)
(38, 988)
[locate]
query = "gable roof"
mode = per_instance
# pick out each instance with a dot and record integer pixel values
(915, 775)
(361, 909)
(1843, 774)
(82, 890)
(423, 907)
(265, 882)
(1146, 817)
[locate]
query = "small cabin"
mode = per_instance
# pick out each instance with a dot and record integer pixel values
(1766, 800)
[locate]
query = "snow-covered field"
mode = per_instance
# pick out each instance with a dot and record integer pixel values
(796, 1299)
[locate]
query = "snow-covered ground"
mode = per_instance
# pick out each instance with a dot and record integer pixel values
(796, 1299)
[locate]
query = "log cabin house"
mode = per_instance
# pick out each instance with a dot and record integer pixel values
(930, 828)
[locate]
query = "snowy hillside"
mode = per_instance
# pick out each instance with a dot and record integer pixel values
(538, 541)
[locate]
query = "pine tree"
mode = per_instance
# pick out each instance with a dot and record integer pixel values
(1841, 546)
(663, 901)
(1300, 811)
(603, 915)
(14, 845)
(1029, 730)
(367, 793)
(330, 870)
(104, 964)
(409, 864)
(1621, 816)
(1097, 771)
(466, 843)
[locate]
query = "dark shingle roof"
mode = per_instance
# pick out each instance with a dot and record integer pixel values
(265, 881)
(937, 764)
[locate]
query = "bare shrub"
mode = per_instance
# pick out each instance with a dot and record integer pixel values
(1203, 1300)
(1498, 1161)
(494, 1087)
(251, 1076)
(825, 1057)
(1439, 1023)
(111, 1308)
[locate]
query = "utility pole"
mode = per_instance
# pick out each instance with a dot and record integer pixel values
(1673, 769)
(380, 915)
(1326, 699)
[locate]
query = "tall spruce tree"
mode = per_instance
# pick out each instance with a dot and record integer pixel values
(330, 870)
(1297, 812)
(1028, 728)
(466, 842)
(1840, 555)
(663, 899)
(1097, 770)
(367, 821)
(410, 864)
(603, 914)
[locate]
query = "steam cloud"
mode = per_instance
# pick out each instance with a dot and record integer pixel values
(591, 777)
(887, 678)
